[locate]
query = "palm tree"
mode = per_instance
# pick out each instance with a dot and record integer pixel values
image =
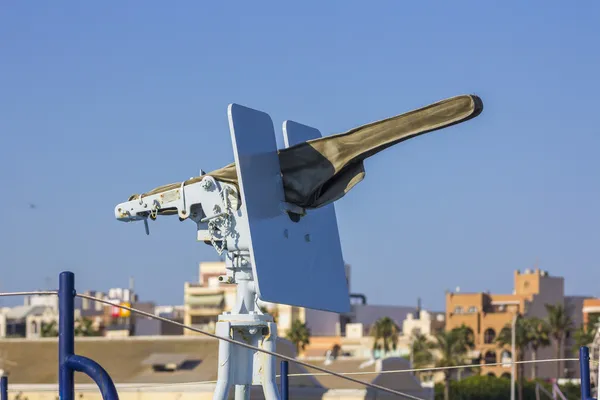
(385, 333)
(85, 327)
(421, 348)
(584, 336)
(504, 339)
(49, 329)
(538, 332)
(452, 347)
(421, 351)
(561, 324)
(299, 334)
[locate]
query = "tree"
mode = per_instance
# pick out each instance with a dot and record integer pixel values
(385, 333)
(49, 329)
(85, 327)
(584, 336)
(452, 347)
(421, 351)
(421, 348)
(538, 333)
(504, 339)
(299, 334)
(561, 324)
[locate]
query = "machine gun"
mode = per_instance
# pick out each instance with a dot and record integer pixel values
(271, 214)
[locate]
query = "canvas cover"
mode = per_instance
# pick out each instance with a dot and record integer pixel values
(321, 171)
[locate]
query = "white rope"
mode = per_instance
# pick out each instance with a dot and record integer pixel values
(38, 293)
(442, 368)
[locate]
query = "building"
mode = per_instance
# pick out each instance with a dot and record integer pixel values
(591, 311)
(171, 368)
(205, 300)
(423, 322)
(486, 314)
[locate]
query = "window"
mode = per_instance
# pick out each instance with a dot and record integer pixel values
(490, 357)
(34, 328)
(458, 310)
(472, 310)
(489, 336)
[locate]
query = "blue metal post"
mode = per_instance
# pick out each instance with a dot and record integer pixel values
(584, 371)
(68, 361)
(66, 334)
(285, 388)
(4, 388)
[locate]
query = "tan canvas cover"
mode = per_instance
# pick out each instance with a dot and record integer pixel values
(320, 171)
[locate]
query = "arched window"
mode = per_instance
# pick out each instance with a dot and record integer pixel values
(505, 356)
(472, 310)
(489, 336)
(470, 335)
(458, 310)
(491, 374)
(505, 375)
(34, 327)
(490, 357)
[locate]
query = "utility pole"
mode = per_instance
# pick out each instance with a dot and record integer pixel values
(513, 366)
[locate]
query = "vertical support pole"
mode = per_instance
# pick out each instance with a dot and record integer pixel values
(285, 388)
(66, 334)
(513, 349)
(584, 372)
(4, 388)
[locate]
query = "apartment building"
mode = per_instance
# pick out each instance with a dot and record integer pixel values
(206, 299)
(486, 314)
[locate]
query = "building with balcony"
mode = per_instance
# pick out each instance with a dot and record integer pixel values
(205, 300)
(486, 314)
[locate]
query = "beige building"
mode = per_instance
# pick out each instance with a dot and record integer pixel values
(205, 300)
(486, 314)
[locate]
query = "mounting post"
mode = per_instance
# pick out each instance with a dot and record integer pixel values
(584, 372)
(4, 388)
(285, 387)
(68, 361)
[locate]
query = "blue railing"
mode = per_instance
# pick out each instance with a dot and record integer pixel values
(3, 388)
(584, 368)
(69, 362)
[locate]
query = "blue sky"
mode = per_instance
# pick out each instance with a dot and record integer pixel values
(102, 100)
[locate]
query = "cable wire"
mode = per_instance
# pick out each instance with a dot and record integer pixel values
(34, 293)
(441, 368)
